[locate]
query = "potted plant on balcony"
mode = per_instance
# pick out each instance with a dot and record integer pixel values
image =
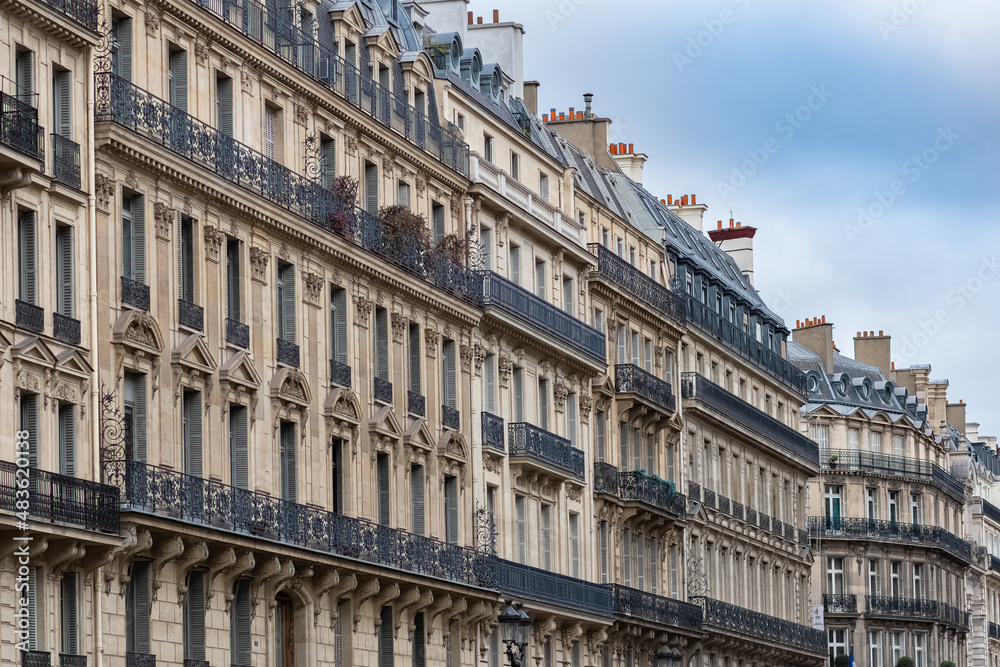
(842, 660)
(345, 189)
(904, 662)
(833, 461)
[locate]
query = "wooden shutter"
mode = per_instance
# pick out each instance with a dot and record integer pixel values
(338, 634)
(383, 488)
(288, 451)
(648, 345)
(495, 648)
(68, 613)
(599, 320)
(25, 76)
(546, 535)
(515, 264)
(340, 324)
(269, 132)
(485, 248)
(187, 258)
(635, 348)
(674, 592)
(385, 634)
(240, 624)
(622, 344)
(328, 156)
(419, 638)
(194, 626)
(125, 48)
(571, 407)
(139, 432)
(139, 238)
(288, 301)
(451, 508)
(382, 343)
(437, 215)
(640, 562)
(543, 404)
(605, 574)
(67, 440)
(623, 437)
(403, 194)
(416, 498)
(522, 530)
(567, 294)
(371, 188)
(627, 556)
(64, 270)
(490, 383)
(601, 437)
(61, 103)
(636, 447)
(224, 104)
(233, 279)
(448, 360)
(337, 454)
(32, 598)
(654, 565)
(518, 394)
(238, 449)
(414, 340)
(650, 453)
(29, 423)
(140, 581)
(28, 291)
(192, 433)
(574, 545)
(178, 78)
(540, 279)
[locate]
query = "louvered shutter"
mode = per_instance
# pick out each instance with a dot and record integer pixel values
(571, 406)
(485, 249)
(288, 307)
(195, 625)
(414, 341)
(605, 574)
(290, 472)
(419, 650)
(650, 453)
(546, 537)
(403, 194)
(540, 279)
(233, 279)
(654, 564)
(599, 320)
(382, 343)
(640, 562)
(515, 265)
(622, 344)
(337, 452)
(601, 438)
(224, 105)
(522, 528)
(178, 79)
(64, 270)
(417, 498)
(574, 545)
(451, 508)
(340, 323)
(32, 598)
(240, 624)
(543, 404)
(338, 635)
(385, 634)
(437, 213)
(674, 582)
(269, 132)
(449, 373)
(635, 348)
(61, 104)
(623, 437)
(187, 259)
(490, 382)
(328, 155)
(67, 440)
(627, 556)
(495, 648)
(238, 446)
(371, 188)
(192, 423)
(636, 442)
(68, 613)
(25, 76)
(29, 423)
(140, 580)
(383, 489)
(139, 238)
(518, 395)
(28, 292)
(648, 344)
(139, 433)
(125, 48)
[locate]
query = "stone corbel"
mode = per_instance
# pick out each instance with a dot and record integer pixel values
(167, 551)
(458, 607)
(143, 542)
(407, 599)
(425, 601)
(195, 554)
(384, 596)
(544, 628)
(367, 590)
(268, 576)
(68, 554)
(438, 607)
(243, 563)
(331, 582)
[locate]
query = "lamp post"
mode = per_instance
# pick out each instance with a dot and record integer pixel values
(514, 624)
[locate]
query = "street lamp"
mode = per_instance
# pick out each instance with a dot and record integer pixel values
(514, 624)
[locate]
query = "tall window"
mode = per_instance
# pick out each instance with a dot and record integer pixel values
(567, 294)
(64, 270)
(835, 576)
(194, 617)
(916, 509)
(413, 357)
(543, 186)
(486, 248)
(233, 299)
(29, 424)
(895, 572)
(518, 389)
(121, 47)
(448, 373)
(875, 646)
(853, 435)
(419, 637)
(515, 166)
(893, 506)
(135, 417)
(271, 130)
(27, 257)
(602, 537)
(451, 509)
(285, 285)
(488, 148)
(836, 642)
(572, 406)
(381, 343)
(920, 649)
(403, 194)
(545, 538)
(338, 324)
(192, 433)
(238, 452)
(62, 123)
(239, 624)
(540, 278)
(871, 504)
(223, 104)
(177, 73)
(874, 585)
(327, 161)
(636, 350)
(69, 614)
(24, 75)
(875, 445)
(371, 187)
(382, 482)
(67, 439)
(898, 647)
(134, 237)
(417, 498)
(522, 526)
(337, 465)
(288, 462)
(514, 263)
(437, 221)
(601, 436)
(137, 609)
(833, 506)
(385, 636)
(543, 403)
(918, 581)
(574, 545)
(490, 384)
(897, 445)
(821, 434)
(185, 258)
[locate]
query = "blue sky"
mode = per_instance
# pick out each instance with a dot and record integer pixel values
(893, 109)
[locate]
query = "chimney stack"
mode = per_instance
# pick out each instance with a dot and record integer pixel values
(531, 97)
(496, 16)
(955, 414)
(587, 99)
(816, 336)
(737, 242)
(874, 351)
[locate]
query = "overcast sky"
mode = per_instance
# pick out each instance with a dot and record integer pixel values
(860, 137)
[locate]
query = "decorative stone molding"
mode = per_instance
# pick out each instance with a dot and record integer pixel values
(164, 217)
(398, 328)
(574, 493)
(465, 354)
(431, 342)
(213, 243)
(505, 365)
(478, 357)
(152, 24)
(258, 264)
(352, 144)
(131, 180)
(363, 309)
(314, 288)
(301, 114)
(586, 405)
(559, 392)
(247, 77)
(201, 49)
(104, 189)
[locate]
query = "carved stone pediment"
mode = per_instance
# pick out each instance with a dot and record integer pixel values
(452, 446)
(193, 354)
(239, 382)
(290, 385)
(384, 425)
(418, 435)
(342, 411)
(136, 329)
(73, 362)
(33, 351)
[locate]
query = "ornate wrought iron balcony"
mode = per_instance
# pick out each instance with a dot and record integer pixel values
(135, 294)
(764, 521)
(724, 505)
(890, 531)
(994, 631)
(238, 334)
(885, 605)
(840, 604)
(514, 300)
(29, 316)
(340, 374)
(126, 104)
(196, 663)
(847, 460)
(62, 499)
(382, 389)
(288, 353)
(140, 660)
(636, 485)
(738, 510)
(709, 498)
(66, 329)
(19, 128)
(630, 379)
(994, 563)
(493, 432)
(526, 582)
(416, 404)
(147, 488)
(66, 161)
(751, 516)
(635, 284)
(81, 11)
(450, 418)
(745, 345)
(529, 441)
(655, 608)
(36, 659)
(190, 315)
(694, 490)
(700, 389)
(66, 660)
(803, 537)
(761, 626)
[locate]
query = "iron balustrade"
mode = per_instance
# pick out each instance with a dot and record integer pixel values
(606, 478)
(135, 294)
(751, 516)
(66, 329)
(515, 300)
(190, 315)
(237, 333)
(188, 662)
(67, 660)
(701, 389)
(416, 404)
(66, 161)
(382, 390)
(803, 537)
(897, 531)
(638, 486)
(994, 563)
(36, 659)
(884, 464)
(529, 440)
(140, 660)
(840, 603)
(724, 504)
(81, 11)
(886, 605)
(61, 498)
(745, 345)
(709, 498)
(738, 510)
(288, 353)
(994, 631)
(656, 608)
(634, 283)
(764, 521)
(450, 418)
(29, 316)
(762, 627)
(19, 128)
(340, 374)
(148, 488)
(630, 379)
(122, 102)
(694, 490)
(526, 582)
(493, 432)
(990, 511)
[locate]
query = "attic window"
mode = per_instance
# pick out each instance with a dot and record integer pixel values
(864, 389)
(812, 384)
(842, 386)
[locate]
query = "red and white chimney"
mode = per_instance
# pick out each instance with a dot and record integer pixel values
(737, 241)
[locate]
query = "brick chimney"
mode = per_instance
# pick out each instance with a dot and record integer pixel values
(873, 350)
(586, 131)
(737, 242)
(816, 336)
(628, 160)
(531, 97)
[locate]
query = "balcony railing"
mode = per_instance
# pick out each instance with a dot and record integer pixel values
(29, 316)
(416, 404)
(883, 464)
(764, 521)
(635, 284)
(60, 498)
(840, 603)
(66, 660)
(655, 608)
(637, 485)
(36, 659)
(288, 353)
(66, 161)
(916, 608)
(190, 315)
(709, 498)
(147, 488)
(516, 301)
(990, 511)
(450, 418)
(994, 631)
(724, 505)
(994, 563)
(135, 294)
(66, 329)
(699, 388)
(19, 128)
(744, 344)
(140, 660)
(694, 491)
(524, 581)
(81, 11)
(238, 334)
(493, 432)
(530, 441)
(895, 531)
(630, 379)
(382, 390)
(122, 102)
(340, 374)
(188, 662)
(763, 627)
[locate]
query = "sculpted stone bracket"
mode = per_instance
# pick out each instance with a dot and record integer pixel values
(137, 340)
